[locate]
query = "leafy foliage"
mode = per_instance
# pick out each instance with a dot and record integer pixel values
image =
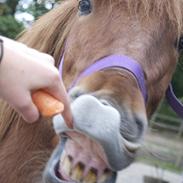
(37, 9)
(9, 27)
(12, 5)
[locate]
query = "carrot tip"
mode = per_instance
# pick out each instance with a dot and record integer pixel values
(47, 105)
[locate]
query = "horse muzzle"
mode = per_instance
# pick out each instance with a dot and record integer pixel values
(94, 150)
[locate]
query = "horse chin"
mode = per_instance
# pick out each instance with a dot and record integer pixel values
(94, 150)
(62, 168)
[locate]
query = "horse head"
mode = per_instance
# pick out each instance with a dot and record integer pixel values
(110, 105)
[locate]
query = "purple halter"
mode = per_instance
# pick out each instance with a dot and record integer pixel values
(135, 69)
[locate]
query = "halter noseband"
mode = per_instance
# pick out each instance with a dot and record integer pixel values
(134, 68)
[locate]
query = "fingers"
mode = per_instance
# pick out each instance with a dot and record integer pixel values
(67, 115)
(41, 56)
(28, 110)
(38, 73)
(34, 71)
(59, 92)
(34, 54)
(52, 83)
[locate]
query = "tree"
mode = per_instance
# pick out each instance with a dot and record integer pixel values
(9, 26)
(37, 9)
(12, 4)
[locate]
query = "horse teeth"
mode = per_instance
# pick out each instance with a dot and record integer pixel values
(67, 165)
(62, 157)
(77, 172)
(104, 176)
(102, 179)
(91, 177)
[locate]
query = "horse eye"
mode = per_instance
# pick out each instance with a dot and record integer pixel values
(180, 44)
(85, 7)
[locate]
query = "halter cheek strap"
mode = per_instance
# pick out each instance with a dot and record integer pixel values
(134, 68)
(174, 102)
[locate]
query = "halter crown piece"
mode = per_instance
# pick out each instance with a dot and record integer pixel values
(132, 66)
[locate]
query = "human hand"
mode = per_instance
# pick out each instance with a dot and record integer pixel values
(24, 70)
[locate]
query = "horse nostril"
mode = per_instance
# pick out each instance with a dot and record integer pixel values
(132, 130)
(105, 102)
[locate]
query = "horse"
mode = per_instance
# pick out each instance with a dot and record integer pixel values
(109, 109)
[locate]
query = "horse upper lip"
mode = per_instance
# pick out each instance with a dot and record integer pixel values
(102, 128)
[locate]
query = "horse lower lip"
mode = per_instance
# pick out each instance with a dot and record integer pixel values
(52, 174)
(82, 163)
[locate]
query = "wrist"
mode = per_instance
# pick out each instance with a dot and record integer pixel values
(5, 67)
(4, 42)
(1, 49)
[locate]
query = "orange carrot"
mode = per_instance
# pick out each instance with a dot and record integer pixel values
(47, 105)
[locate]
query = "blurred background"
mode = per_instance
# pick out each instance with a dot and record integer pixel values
(163, 147)
(16, 15)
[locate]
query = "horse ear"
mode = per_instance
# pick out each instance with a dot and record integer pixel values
(49, 33)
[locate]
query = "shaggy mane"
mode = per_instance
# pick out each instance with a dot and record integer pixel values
(172, 9)
(145, 9)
